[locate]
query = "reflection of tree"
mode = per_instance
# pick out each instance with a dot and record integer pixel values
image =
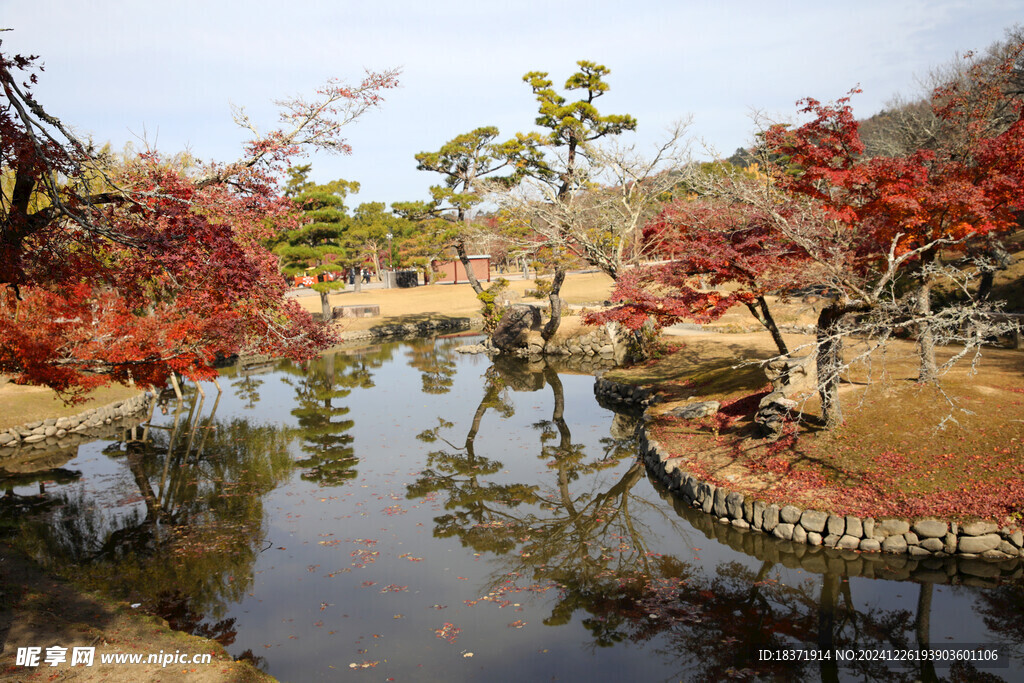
(480, 512)
(580, 533)
(716, 624)
(583, 532)
(320, 385)
(1002, 608)
(584, 537)
(435, 360)
(185, 544)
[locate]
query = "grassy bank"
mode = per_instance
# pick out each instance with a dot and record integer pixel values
(904, 449)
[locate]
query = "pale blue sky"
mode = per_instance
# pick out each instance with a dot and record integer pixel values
(171, 70)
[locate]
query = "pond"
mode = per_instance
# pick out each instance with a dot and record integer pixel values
(405, 512)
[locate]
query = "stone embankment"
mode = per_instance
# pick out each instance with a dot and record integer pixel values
(631, 397)
(922, 538)
(955, 569)
(412, 329)
(66, 432)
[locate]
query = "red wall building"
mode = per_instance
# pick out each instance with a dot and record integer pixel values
(454, 273)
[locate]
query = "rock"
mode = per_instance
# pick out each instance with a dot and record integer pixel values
(854, 527)
(740, 523)
(813, 538)
(978, 544)
(979, 529)
(892, 527)
(784, 531)
(6, 438)
(471, 348)
(771, 414)
(694, 411)
(1017, 538)
(758, 521)
(949, 543)
(708, 503)
(870, 545)
(718, 507)
(917, 551)
(831, 540)
(869, 527)
(911, 538)
(894, 544)
(514, 326)
(789, 514)
(34, 438)
(933, 544)
(792, 373)
(1008, 548)
(689, 488)
(813, 520)
(748, 510)
(930, 528)
(771, 517)
(734, 505)
(836, 525)
(50, 430)
(848, 542)
(799, 534)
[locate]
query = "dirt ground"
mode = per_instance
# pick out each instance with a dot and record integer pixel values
(37, 611)
(452, 301)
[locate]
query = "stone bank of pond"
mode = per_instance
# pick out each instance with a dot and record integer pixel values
(406, 512)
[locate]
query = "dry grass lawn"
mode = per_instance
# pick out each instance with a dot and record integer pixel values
(904, 449)
(449, 301)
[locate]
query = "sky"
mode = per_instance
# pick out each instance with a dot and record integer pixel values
(166, 74)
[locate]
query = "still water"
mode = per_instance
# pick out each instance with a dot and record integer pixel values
(407, 513)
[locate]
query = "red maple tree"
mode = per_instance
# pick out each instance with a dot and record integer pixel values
(127, 270)
(894, 224)
(708, 243)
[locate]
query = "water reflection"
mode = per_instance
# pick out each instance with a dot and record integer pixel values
(184, 538)
(512, 463)
(323, 428)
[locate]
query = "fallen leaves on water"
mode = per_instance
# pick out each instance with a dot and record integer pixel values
(449, 632)
(364, 665)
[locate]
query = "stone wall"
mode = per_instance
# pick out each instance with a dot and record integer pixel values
(61, 433)
(417, 329)
(955, 569)
(605, 342)
(924, 538)
(920, 538)
(628, 396)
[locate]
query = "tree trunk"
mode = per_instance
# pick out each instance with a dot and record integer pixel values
(325, 306)
(759, 309)
(929, 371)
(829, 363)
(556, 305)
(827, 605)
(460, 249)
(922, 628)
